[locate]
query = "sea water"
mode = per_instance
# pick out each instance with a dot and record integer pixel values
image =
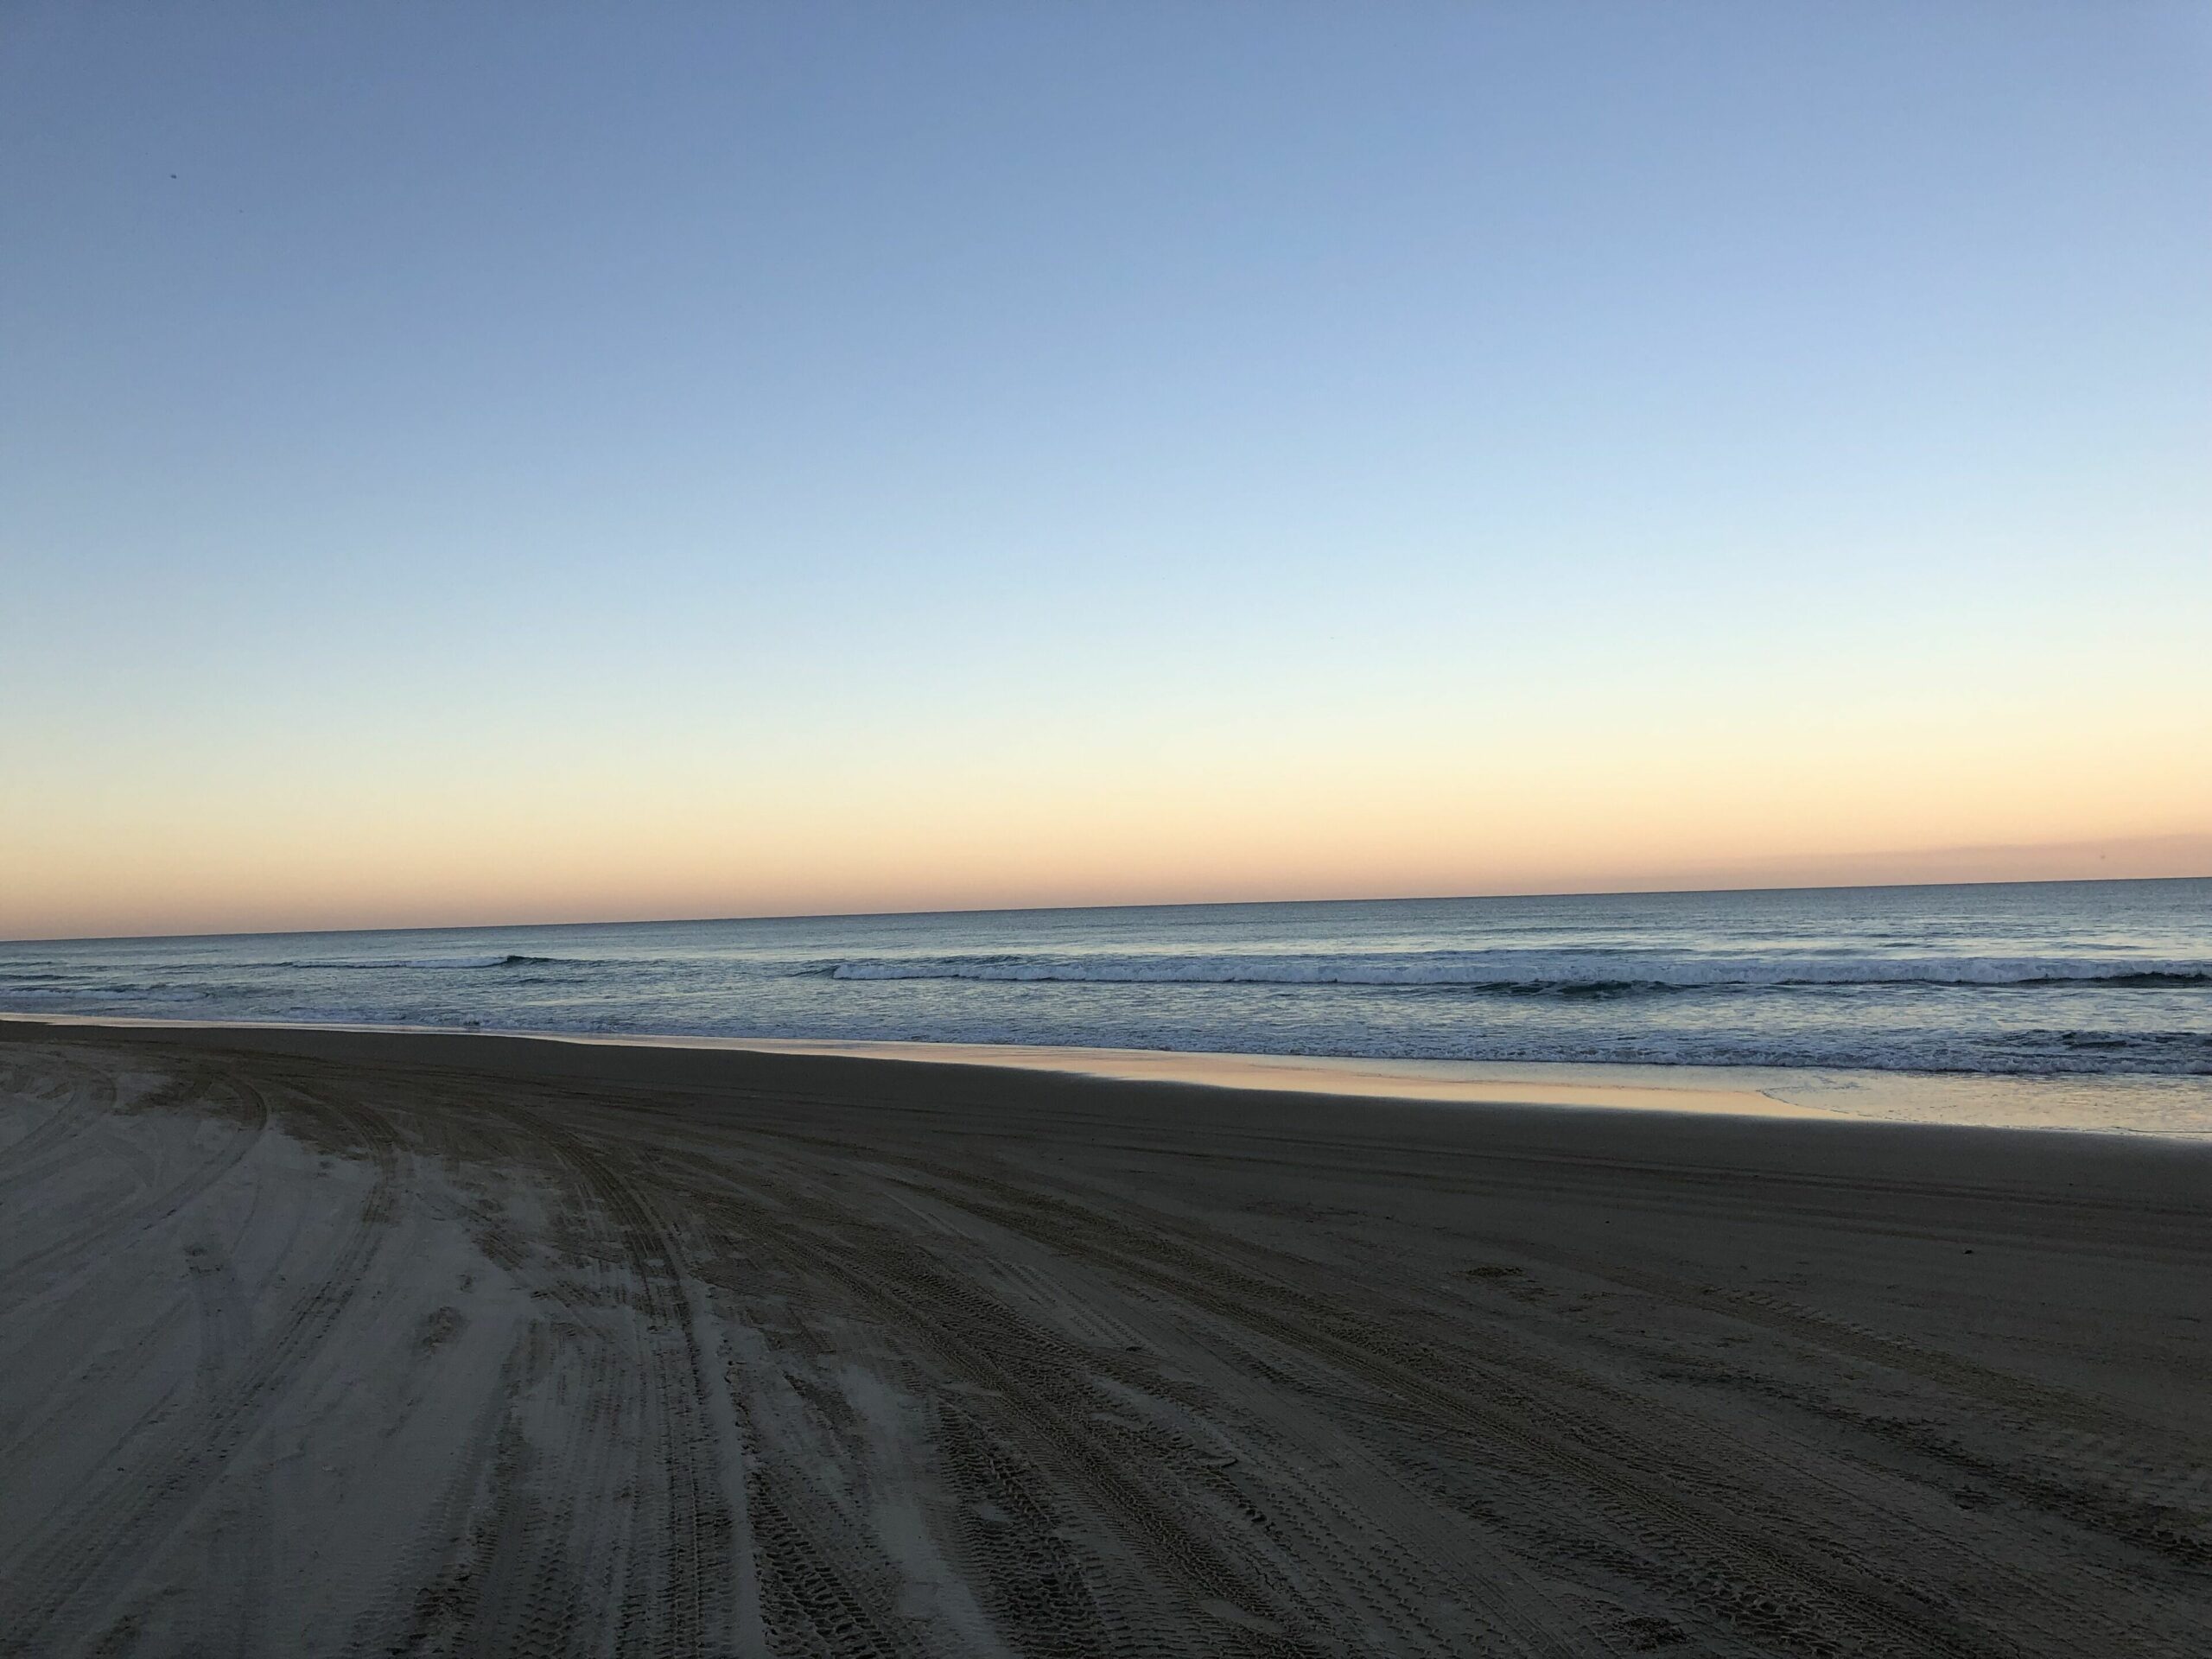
(2076, 981)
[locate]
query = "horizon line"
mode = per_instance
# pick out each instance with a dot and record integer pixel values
(1038, 910)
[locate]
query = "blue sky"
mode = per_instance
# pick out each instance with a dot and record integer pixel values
(427, 424)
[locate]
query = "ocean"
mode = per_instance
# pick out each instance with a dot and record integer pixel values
(2082, 981)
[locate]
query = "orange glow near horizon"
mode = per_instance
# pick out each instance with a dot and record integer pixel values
(443, 899)
(291, 853)
(1720, 772)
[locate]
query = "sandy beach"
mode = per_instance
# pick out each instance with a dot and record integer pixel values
(348, 1343)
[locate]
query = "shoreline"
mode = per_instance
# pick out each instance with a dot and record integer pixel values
(2167, 1107)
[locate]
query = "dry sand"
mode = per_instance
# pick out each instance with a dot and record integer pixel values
(340, 1343)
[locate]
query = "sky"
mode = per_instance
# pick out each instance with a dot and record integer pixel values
(464, 463)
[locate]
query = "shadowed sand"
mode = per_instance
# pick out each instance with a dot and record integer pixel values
(358, 1343)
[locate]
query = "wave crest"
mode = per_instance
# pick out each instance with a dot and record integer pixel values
(1507, 971)
(509, 959)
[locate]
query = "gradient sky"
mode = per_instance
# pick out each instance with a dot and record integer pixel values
(472, 463)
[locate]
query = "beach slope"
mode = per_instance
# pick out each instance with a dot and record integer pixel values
(384, 1343)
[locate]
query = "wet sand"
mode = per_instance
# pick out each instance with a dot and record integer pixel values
(357, 1343)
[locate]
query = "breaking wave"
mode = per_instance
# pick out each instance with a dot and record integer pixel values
(507, 960)
(1507, 971)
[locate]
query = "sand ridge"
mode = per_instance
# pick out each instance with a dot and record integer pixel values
(348, 1343)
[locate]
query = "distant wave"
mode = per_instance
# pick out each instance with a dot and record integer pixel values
(1537, 971)
(62, 994)
(507, 960)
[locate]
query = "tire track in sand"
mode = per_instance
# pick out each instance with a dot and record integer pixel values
(99, 1540)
